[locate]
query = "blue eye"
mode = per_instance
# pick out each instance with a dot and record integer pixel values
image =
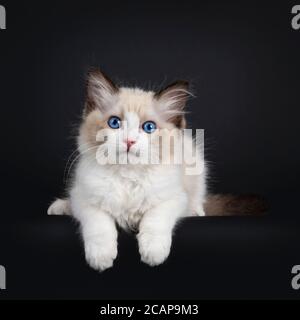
(114, 122)
(149, 126)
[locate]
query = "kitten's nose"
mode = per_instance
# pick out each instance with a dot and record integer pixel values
(129, 143)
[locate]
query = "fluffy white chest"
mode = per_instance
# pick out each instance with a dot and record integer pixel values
(126, 194)
(127, 200)
(123, 194)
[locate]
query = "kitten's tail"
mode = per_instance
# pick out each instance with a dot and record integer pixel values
(60, 207)
(215, 205)
(234, 205)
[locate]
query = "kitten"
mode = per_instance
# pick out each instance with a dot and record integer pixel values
(113, 182)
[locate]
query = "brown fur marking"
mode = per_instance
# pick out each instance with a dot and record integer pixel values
(233, 205)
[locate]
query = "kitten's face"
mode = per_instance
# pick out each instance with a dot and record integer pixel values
(127, 126)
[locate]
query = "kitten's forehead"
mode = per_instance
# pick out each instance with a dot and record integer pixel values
(132, 119)
(134, 100)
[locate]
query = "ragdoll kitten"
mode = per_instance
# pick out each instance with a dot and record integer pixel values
(119, 125)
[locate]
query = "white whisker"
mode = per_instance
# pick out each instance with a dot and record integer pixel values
(76, 158)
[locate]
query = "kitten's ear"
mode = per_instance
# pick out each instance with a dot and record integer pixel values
(100, 91)
(172, 101)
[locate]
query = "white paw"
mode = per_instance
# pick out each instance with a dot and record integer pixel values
(59, 207)
(199, 211)
(154, 250)
(100, 256)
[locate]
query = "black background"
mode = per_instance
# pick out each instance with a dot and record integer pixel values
(243, 61)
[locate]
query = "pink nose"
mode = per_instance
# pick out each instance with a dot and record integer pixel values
(129, 143)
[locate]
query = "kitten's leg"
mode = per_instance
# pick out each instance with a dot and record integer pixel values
(155, 230)
(196, 188)
(100, 238)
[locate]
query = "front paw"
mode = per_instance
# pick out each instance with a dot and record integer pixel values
(100, 256)
(154, 249)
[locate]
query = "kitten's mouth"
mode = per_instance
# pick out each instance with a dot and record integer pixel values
(133, 153)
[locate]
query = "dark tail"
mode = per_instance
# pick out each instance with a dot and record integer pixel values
(235, 205)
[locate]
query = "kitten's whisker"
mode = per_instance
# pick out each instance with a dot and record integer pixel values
(76, 158)
(71, 155)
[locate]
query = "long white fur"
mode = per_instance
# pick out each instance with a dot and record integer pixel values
(146, 198)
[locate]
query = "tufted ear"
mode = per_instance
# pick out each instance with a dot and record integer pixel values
(172, 100)
(100, 91)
